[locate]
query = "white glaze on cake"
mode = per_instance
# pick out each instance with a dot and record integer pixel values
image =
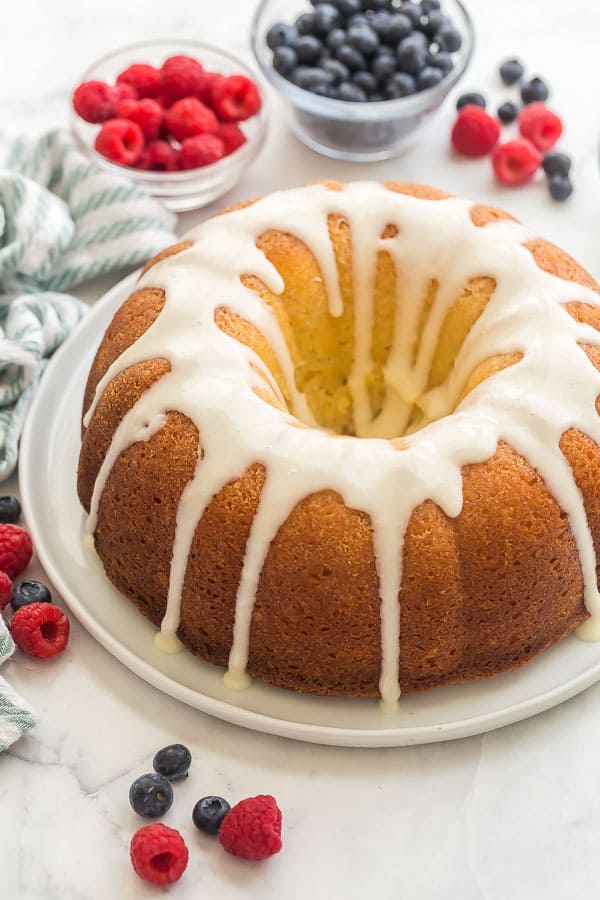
(212, 380)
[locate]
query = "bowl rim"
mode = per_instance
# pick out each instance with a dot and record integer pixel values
(365, 112)
(240, 157)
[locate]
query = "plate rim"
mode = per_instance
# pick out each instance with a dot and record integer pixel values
(230, 712)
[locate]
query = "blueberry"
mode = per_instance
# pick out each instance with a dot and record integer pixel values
(429, 5)
(151, 795)
(534, 90)
(511, 71)
(448, 38)
(380, 21)
(208, 814)
(281, 35)
(366, 81)
(284, 60)
(308, 49)
(311, 78)
(435, 22)
(305, 24)
(351, 58)
(508, 112)
(370, 5)
(172, 762)
(560, 186)
(358, 19)
(428, 78)
(398, 28)
(401, 84)
(326, 18)
(471, 99)
(337, 70)
(413, 11)
(411, 55)
(25, 592)
(441, 60)
(335, 38)
(347, 7)
(351, 92)
(383, 67)
(556, 163)
(363, 39)
(10, 510)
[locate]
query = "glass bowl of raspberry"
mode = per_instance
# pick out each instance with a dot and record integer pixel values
(181, 119)
(360, 78)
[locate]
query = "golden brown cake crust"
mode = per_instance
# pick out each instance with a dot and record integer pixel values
(481, 593)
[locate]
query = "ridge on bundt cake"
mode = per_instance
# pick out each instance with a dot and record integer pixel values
(344, 438)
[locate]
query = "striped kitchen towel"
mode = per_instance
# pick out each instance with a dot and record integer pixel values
(16, 716)
(62, 221)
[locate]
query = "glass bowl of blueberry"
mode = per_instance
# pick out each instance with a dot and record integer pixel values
(360, 77)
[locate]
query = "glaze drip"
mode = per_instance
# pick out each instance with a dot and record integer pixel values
(213, 377)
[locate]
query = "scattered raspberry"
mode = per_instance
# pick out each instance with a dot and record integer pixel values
(145, 113)
(200, 150)
(188, 117)
(15, 549)
(181, 76)
(253, 828)
(5, 590)
(516, 161)
(231, 135)
(475, 132)
(540, 126)
(94, 101)
(120, 141)
(160, 156)
(235, 98)
(158, 854)
(40, 630)
(143, 78)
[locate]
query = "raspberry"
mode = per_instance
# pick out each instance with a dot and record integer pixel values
(181, 76)
(235, 98)
(200, 150)
(120, 141)
(158, 854)
(540, 126)
(124, 91)
(188, 117)
(94, 101)
(475, 132)
(253, 828)
(211, 79)
(15, 549)
(160, 156)
(515, 162)
(144, 79)
(40, 630)
(232, 136)
(145, 113)
(5, 590)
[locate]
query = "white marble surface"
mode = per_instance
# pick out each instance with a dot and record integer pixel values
(514, 813)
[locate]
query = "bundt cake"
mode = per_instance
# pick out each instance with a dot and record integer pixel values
(344, 439)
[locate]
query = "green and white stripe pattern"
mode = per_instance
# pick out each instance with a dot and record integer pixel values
(62, 221)
(16, 716)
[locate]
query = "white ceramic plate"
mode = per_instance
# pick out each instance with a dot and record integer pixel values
(48, 464)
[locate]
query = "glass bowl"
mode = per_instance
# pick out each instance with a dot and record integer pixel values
(360, 132)
(191, 188)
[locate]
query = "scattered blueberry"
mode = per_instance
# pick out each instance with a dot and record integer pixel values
(284, 59)
(556, 163)
(25, 592)
(560, 186)
(508, 112)
(428, 77)
(534, 90)
(208, 814)
(151, 795)
(401, 84)
(351, 92)
(308, 49)
(363, 39)
(326, 17)
(440, 60)
(411, 55)
(172, 762)
(511, 71)
(281, 35)
(10, 510)
(471, 99)
(448, 39)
